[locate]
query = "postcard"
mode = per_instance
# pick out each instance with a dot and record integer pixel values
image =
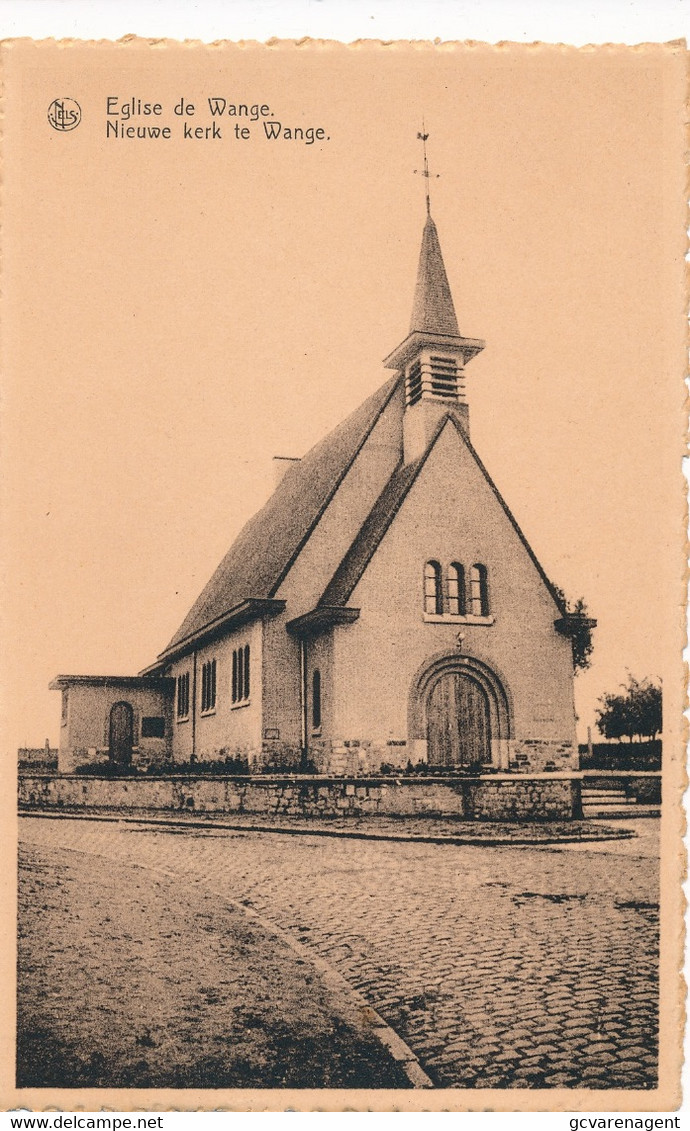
(343, 422)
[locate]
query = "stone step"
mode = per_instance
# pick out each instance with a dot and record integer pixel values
(604, 796)
(606, 805)
(623, 811)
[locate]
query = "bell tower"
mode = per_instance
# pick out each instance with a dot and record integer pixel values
(434, 354)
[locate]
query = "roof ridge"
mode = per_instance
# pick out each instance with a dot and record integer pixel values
(394, 382)
(269, 542)
(376, 524)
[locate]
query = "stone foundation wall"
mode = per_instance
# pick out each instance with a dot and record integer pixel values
(355, 756)
(540, 756)
(499, 797)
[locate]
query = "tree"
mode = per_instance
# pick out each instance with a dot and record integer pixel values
(578, 626)
(635, 713)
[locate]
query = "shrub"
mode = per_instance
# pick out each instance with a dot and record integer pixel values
(230, 766)
(104, 770)
(622, 756)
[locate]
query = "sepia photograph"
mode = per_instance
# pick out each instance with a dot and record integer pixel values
(343, 702)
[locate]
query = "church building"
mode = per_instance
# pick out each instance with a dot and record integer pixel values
(382, 608)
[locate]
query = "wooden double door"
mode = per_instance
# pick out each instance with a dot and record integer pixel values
(458, 721)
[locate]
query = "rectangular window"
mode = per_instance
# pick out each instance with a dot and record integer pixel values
(152, 727)
(240, 674)
(208, 685)
(183, 695)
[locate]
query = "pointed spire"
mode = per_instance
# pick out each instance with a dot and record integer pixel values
(432, 311)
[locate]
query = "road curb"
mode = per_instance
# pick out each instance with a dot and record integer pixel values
(369, 1019)
(348, 834)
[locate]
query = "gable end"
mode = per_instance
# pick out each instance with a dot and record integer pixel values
(360, 553)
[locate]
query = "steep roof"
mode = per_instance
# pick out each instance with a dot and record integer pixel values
(368, 538)
(370, 535)
(433, 311)
(268, 544)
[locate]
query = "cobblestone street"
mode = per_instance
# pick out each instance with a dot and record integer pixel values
(500, 967)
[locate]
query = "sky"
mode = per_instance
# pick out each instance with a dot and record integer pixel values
(176, 313)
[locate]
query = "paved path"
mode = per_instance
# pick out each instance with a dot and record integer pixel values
(500, 967)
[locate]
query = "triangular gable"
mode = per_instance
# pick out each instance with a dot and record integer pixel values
(362, 550)
(267, 546)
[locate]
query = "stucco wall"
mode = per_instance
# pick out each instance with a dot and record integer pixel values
(281, 680)
(229, 729)
(477, 798)
(309, 575)
(84, 733)
(320, 658)
(451, 514)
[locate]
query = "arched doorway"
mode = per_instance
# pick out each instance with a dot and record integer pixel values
(121, 733)
(458, 718)
(459, 712)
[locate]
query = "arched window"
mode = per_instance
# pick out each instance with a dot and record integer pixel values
(316, 699)
(479, 591)
(433, 594)
(457, 601)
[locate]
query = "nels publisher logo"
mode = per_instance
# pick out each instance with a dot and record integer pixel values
(64, 114)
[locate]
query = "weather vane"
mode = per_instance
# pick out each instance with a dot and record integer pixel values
(425, 171)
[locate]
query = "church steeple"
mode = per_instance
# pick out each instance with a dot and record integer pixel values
(434, 354)
(432, 310)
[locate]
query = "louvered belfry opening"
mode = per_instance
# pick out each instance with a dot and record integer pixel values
(444, 376)
(414, 383)
(434, 375)
(433, 356)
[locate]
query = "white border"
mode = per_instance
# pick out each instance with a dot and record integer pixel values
(553, 21)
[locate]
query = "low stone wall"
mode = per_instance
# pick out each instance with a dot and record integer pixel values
(495, 797)
(500, 799)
